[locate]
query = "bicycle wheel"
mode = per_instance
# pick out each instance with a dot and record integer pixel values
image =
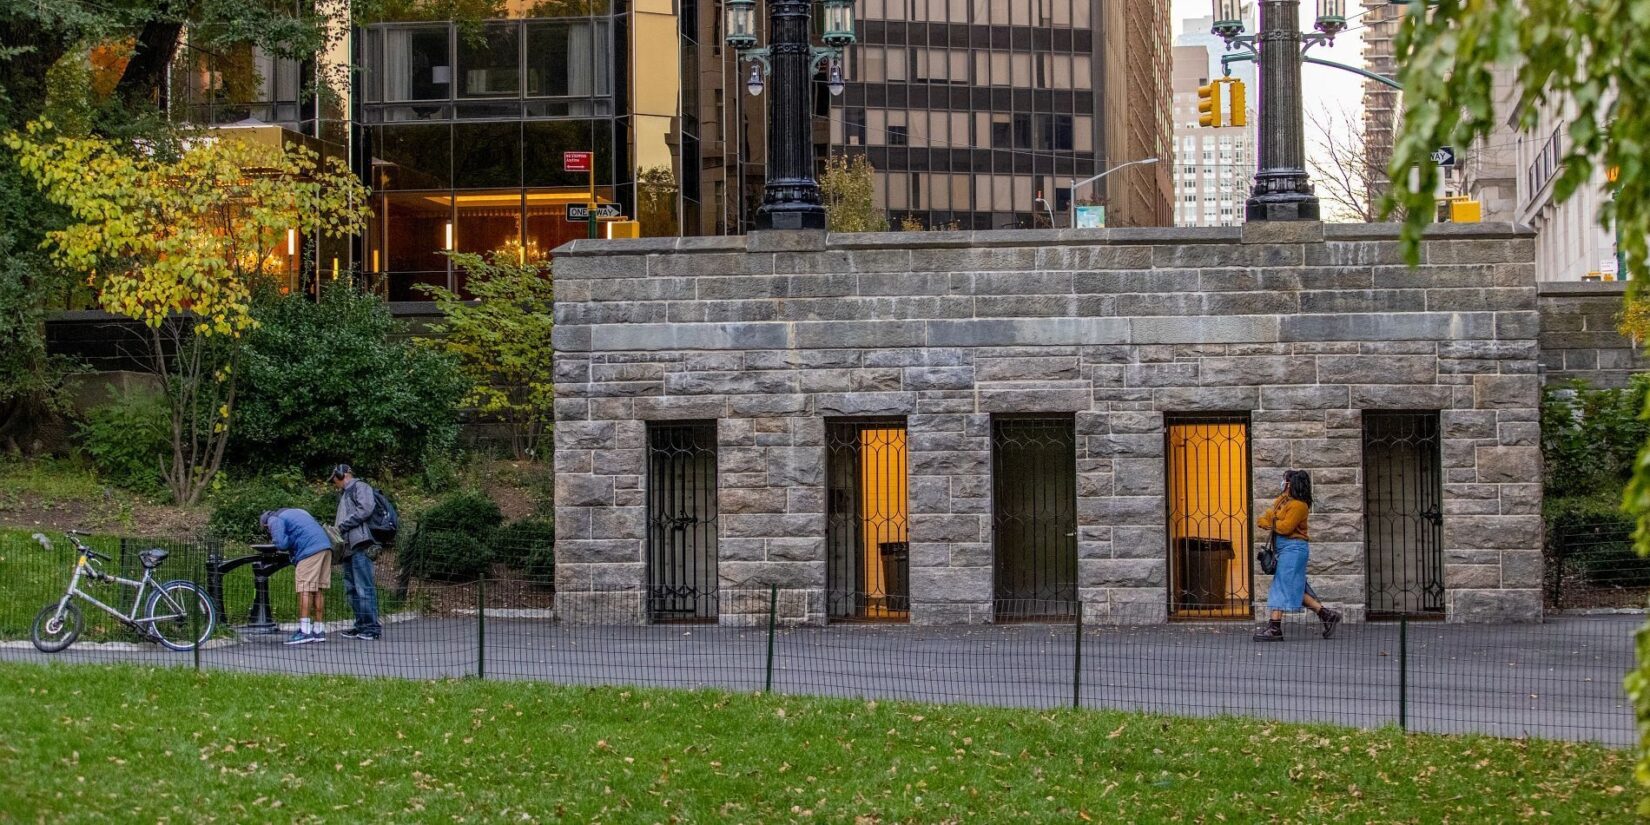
(50, 633)
(180, 615)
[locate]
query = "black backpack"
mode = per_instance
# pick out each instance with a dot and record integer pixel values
(383, 523)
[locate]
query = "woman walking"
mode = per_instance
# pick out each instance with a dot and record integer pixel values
(1287, 517)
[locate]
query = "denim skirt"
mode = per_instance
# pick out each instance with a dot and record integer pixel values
(1289, 585)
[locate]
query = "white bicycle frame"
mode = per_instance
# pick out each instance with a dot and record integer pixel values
(84, 565)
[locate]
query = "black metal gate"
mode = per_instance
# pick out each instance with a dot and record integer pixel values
(1403, 514)
(681, 522)
(868, 557)
(1034, 516)
(1207, 463)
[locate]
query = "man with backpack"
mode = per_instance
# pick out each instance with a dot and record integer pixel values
(364, 517)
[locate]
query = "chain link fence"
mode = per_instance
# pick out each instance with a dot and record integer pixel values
(448, 617)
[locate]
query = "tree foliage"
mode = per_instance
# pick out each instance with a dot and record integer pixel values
(336, 380)
(1590, 60)
(176, 234)
(849, 189)
(502, 340)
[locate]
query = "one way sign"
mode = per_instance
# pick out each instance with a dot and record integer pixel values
(580, 212)
(1444, 156)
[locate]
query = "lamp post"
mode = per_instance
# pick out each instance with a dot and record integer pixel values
(1282, 191)
(791, 198)
(1071, 204)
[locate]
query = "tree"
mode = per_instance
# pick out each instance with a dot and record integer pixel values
(849, 189)
(176, 235)
(502, 341)
(656, 202)
(1346, 173)
(1588, 56)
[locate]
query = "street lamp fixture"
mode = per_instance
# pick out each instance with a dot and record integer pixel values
(1282, 191)
(791, 199)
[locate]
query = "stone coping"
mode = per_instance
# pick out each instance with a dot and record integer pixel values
(814, 241)
(1614, 289)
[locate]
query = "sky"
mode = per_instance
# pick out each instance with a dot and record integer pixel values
(1337, 92)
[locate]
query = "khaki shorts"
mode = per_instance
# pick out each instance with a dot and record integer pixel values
(315, 572)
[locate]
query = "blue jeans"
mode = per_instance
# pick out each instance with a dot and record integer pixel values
(361, 591)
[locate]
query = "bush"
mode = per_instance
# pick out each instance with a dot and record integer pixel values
(333, 380)
(469, 511)
(445, 555)
(529, 545)
(1591, 438)
(128, 440)
(236, 506)
(454, 538)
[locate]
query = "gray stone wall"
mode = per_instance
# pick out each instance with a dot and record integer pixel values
(1579, 340)
(1301, 326)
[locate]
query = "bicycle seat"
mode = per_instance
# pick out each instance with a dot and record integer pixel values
(152, 557)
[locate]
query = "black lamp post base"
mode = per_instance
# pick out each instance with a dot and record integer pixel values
(790, 216)
(1290, 207)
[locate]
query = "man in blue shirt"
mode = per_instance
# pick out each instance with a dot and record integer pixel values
(299, 534)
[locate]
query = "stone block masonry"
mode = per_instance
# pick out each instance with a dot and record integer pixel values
(1579, 340)
(1297, 333)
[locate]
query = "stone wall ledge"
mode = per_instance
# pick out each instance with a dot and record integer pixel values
(810, 241)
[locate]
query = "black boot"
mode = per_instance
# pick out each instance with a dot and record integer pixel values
(1272, 632)
(1331, 619)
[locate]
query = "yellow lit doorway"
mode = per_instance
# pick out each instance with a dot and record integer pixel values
(868, 544)
(1209, 525)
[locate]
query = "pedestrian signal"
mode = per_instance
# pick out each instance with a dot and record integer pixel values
(1237, 98)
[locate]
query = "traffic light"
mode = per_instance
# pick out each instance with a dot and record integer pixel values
(1208, 104)
(1235, 96)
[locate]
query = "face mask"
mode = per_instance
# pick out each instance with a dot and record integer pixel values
(1284, 485)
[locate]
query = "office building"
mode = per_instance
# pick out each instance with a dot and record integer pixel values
(1213, 167)
(970, 110)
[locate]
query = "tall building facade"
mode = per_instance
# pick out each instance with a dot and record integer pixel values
(1213, 168)
(972, 110)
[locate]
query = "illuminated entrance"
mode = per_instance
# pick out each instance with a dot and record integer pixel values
(1209, 525)
(868, 573)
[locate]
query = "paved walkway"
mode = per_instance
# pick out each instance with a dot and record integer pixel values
(1560, 680)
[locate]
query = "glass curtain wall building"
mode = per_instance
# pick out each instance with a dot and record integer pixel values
(972, 110)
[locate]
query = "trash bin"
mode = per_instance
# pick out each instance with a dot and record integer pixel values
(896, 574)
(1200, 572)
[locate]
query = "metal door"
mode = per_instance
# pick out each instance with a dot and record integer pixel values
(1034, 516)
(868, 556)
(1403, 514)
(1207, 463)
(681, 522)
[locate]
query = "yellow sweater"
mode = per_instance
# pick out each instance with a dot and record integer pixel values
(1286, 516)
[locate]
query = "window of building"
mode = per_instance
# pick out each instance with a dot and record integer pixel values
(899, 136)
(416, 63)
(854, 119)
(568, 58)
(1055, 132)
(489, 65)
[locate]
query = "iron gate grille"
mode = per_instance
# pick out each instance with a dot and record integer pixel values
(1209, 525)
(1034, 516)
(868, 558)
(1403, 514)
(681, 522)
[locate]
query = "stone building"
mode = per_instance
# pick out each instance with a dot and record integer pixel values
(972, 427)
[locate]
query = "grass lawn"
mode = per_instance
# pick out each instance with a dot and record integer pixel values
(130, 744)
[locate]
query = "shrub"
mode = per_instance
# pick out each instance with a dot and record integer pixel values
(236, 506)
(529, 545)
(1591, 438)
(128, 440)
(333, 380)
(468, 511)
(445, 555)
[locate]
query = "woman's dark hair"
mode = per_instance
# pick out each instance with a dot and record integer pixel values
(1300, 485)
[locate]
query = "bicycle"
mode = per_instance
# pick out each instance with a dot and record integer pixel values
(165, 616)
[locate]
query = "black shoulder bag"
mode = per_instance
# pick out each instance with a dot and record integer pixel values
(1268, 555)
